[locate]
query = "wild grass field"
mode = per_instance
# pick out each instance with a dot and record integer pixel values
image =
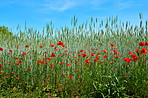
(97, 59)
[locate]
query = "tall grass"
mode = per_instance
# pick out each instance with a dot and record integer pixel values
(106, 77)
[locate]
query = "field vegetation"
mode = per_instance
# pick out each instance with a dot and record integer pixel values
(97, 59)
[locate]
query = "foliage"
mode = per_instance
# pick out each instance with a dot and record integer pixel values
(106, 59)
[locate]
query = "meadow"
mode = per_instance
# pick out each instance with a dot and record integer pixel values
(91, 60)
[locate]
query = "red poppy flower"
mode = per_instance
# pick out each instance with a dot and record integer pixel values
(81, 50)
(134, 56)
(94, 96)
(39, 61)
(66, 53)
(68, 64)
(41, 46)
(65, 50)
(9, 63)
(45, 61)
(112, 62)
(1, 72)
(13, 88)
(20, 61)
(1, 65)
(84, 55)
(144, 51)
(52, 54)
(63, 45)
(102, 61)
(12, 72)
(141, 44)
(24, 53)
(1, 49)
(17, 46)
(135, 59)
(130, 52)
(61, 63)
(42, 62)
(27, 46)
(6, 77)
(98, 54)
(146, 43)
(10, 50)
(105, 51)
(87, 61)
(137, 50)
(116, 57)
(96, 59)
(17, 78)
(93, 54)
(112, 45)
(115, 52)
(59, 43)
(79, 54)
(127, 60)
(76, 63)
(77, 70)
(29, 69)
(16, 63)
(70, 76)
(105, 56)
(48, 59)
(51, 45)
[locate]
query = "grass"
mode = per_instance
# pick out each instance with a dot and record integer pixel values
(106, 59)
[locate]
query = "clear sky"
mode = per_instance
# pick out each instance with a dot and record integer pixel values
(38, 13)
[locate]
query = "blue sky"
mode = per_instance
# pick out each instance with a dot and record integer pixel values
(37, 13)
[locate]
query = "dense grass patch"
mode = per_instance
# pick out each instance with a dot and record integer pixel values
(107, 59)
